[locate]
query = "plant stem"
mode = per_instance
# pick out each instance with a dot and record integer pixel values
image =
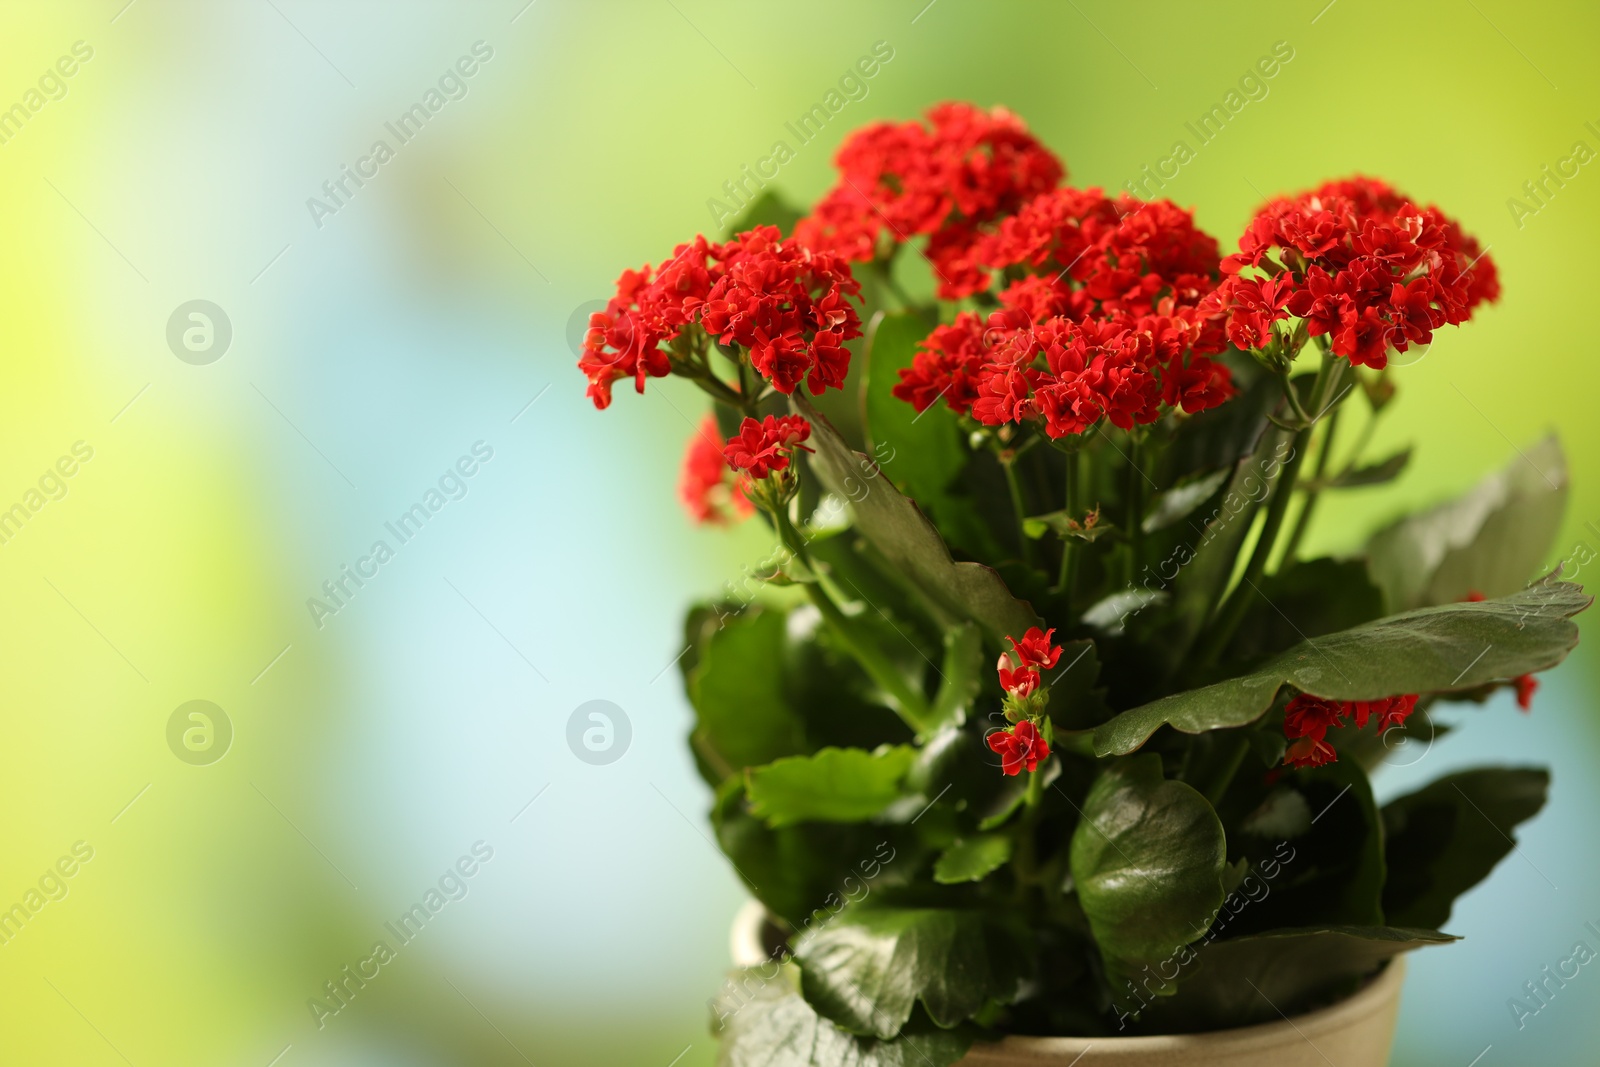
(1237, 604)
(1135, 506)
(1303, 520)
(1219, 787)
(1018, 506)
(906, 702)
(1068, 550)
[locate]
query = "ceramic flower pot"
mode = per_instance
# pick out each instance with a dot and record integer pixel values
(1356, 1032)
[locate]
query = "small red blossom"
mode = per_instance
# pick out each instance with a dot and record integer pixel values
(707, 486)
(1020, 682)
(1020, 747)
(1308, 718)
(759, 448)
(1357, 262)
(1036, 649)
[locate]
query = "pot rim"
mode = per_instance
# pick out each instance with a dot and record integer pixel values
(1371, 998)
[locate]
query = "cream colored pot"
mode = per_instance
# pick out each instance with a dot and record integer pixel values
(1353, 1033)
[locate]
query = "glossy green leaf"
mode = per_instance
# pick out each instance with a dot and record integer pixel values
(833, 785)
(1453, 647)
(923, 454)
(1492, 540)
(1147, 860)
(742, 715)
(1265, 977)
(1446, 838)
(1179, 502)
(905, 537)
(1305, 600)
(961, 677)
(973, 858)
(762, 1021)
(869, 967)
(1386, 470)
(797, 870)
(1206, 564)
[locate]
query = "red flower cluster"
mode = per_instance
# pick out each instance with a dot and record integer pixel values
(1115, 331)
(949, 181)
(766, 446)
(1019, 747)
(784, 304)
(1035, 652)
(707, 486)
(1359, 262)
(1307, 720)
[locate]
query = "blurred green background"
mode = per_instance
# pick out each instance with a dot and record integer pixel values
(373, 345)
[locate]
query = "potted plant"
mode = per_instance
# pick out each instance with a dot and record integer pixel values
(1039, 736)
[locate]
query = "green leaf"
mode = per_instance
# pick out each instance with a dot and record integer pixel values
(867, 968)
(834, 785)
(1446, 838)
(1454, 647)
(972, 859)
(1265, 977)
(1064, 524)
(1147, 860)
(763, 1022)
(767, 209)
(798, 870)
(1206, 565)
(1014, 791)
(1330, 866)
(927, 451)
(1491, 540)
(907, 540)
(1180, 501)
(1306, 600)
(961, 677)
(1372, 474)
(923, 454)
(743, 717)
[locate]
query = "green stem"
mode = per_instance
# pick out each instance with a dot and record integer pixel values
(1224, 779)
(1018, 506)
(1135, 506)
(906, 702)
(1068, 550)
(1303, 520)
(1237, 604)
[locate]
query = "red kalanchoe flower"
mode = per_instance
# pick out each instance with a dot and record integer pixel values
(1020, 747)
(1307, 720)
(1036, 649)
(1359, 263)
(1388, 712)
(785, 305)
(1020, 682)
(707, 486)
(1527, 685)
(759, 448)
(950, 180)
